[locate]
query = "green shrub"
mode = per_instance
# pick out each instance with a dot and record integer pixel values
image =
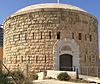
(18, 76)
(34, 76)
(4, 78)
(63, 76)
(50, 78)
(27, 80)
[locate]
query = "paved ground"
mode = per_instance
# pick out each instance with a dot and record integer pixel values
(51, 81)
(90, 78)
(54, 82)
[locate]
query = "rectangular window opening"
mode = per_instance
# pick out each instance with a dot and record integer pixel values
(90, 37)
(33, 35)
(36, 59)
(22, 59)
(72, 35)
(80, 36)
(50, 34)
(19, 37)
(58, 35)
(41, 35)
(45, 58)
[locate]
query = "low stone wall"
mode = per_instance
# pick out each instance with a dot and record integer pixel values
(54, 74)
(41, 75)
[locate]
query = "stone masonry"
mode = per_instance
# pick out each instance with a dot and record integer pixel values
(30, 36)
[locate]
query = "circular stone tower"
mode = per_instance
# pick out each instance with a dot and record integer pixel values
(51, 36)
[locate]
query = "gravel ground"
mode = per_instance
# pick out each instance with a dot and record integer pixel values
(54, 82)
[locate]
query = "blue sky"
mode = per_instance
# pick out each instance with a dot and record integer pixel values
(8, 7)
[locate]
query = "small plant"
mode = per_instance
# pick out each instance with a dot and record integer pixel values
(50, 78)
(4, 78)
(34, 76)
(63, 76)
(18, 76)
(27, 80)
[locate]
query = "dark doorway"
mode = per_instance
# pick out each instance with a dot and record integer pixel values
(65, 62)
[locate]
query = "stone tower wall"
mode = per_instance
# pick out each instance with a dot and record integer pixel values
(29, 38)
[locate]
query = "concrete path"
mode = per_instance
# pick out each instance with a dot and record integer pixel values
(90, 78)
(54, 82)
